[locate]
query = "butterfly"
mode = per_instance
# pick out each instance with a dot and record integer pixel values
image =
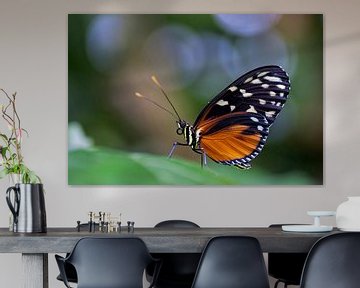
(233, 127)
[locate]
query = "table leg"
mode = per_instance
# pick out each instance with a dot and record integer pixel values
(35, 270)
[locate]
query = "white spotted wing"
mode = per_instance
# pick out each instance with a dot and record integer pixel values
(263, 90)
(234, 125)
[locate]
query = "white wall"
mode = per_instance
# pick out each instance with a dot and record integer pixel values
(33, 62)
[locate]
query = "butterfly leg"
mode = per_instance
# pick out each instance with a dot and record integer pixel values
(203, 156)
(203, 159)
(174, 146)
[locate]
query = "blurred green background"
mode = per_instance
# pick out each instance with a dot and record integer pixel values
(117, 138)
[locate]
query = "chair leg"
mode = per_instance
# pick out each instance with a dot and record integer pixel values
(278, 282)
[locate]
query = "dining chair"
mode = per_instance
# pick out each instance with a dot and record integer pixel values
(70, 271)
(333, 262)
(231, 262)
(108, 263)
(285, 267)
(178, 269)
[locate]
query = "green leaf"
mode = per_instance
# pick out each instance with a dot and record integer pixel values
(26, 132)
(108, 167)
(3, 173)
(3, 151)
(4, 137)
(32, 178)
(100, 166)
(13, 156)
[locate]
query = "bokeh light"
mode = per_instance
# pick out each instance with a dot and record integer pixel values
(105, 41)
(174, 51)
(246, 24)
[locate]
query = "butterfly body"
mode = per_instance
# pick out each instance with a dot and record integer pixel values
(233, 127)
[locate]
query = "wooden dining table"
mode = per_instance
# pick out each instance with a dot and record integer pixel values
(35, 247)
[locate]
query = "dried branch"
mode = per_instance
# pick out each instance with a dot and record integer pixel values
(11, 155)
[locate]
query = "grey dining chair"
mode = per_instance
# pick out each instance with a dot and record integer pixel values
(178, 269)
(285, 267)
(70, 271)
(333, 262)
(232, 262)
(108, 263)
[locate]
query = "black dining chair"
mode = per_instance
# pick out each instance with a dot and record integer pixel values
(178, 269)
(232, 262)
(333, 262)
(285, 267)
(70, 271)
(108, 263)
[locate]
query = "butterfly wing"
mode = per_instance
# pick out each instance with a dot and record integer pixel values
(233, 127)
(263, 90)
(233, 139)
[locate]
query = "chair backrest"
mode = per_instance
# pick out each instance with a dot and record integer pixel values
(287, 267)
(333, 262)
(178, 269)
(176, 224)
(232, 262)
(110, 262)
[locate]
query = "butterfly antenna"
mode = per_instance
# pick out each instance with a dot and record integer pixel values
(156, 104)
(157, 83)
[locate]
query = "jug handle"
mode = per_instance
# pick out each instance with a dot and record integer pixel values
(13, 208)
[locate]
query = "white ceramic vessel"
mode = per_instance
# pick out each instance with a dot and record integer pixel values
(348, 214)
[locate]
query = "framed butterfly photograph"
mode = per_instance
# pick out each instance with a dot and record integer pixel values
(195, 99)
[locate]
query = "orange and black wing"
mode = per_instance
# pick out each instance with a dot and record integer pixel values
(234, 125)
(234, 139)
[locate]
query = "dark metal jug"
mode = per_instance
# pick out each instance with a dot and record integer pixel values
(28, 207)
